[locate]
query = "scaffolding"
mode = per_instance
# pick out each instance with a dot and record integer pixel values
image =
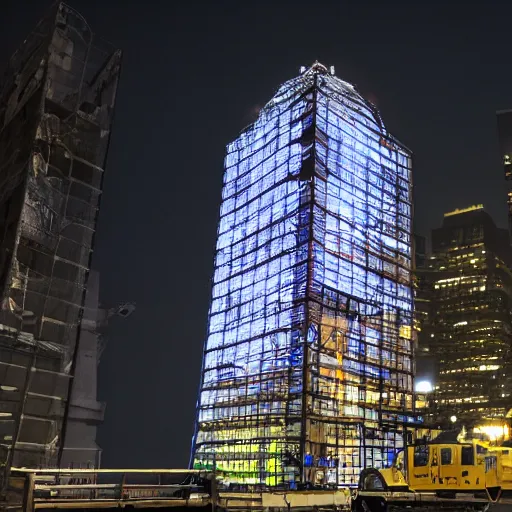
(308, 365)
(56, 108)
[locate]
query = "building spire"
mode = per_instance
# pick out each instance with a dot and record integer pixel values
(317, 67)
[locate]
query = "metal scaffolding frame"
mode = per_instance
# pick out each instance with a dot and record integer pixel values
(56, 108)
(308, 366)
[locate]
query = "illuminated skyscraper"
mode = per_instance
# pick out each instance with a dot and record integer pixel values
(505, 140)
(307, 371)
(467, 285)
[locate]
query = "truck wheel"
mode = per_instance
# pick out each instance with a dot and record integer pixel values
(369, 504)
(494, 493)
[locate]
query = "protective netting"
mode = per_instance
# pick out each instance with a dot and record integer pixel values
(55, 118)
(307, 372)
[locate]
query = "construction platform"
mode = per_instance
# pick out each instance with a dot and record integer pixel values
(89, 489)
(105, 489)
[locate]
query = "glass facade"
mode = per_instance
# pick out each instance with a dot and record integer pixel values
(307, 370)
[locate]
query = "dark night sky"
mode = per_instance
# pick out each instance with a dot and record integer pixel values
(193, 74)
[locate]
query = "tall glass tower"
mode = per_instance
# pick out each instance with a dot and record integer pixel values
(308, 366)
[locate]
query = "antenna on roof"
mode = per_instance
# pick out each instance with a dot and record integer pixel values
(332, 70)
(302, 69)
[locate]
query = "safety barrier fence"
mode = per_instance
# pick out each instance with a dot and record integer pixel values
(107, 488)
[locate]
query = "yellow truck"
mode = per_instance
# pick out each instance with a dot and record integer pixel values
(436, 475)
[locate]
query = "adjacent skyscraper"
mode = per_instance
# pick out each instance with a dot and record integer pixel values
(56, 107)
(308, 365)
(467, 286)
(505, 140)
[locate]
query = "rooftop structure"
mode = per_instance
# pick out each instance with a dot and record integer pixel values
(457, 211)
(308, 366)
(56, 107)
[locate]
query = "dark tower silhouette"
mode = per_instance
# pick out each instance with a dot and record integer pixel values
(56, 108)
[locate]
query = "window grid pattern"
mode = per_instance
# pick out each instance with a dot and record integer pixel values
(309, 350)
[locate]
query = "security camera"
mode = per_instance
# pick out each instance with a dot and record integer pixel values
(125, 310)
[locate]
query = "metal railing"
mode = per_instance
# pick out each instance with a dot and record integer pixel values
(36, 489)
(58, 488)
